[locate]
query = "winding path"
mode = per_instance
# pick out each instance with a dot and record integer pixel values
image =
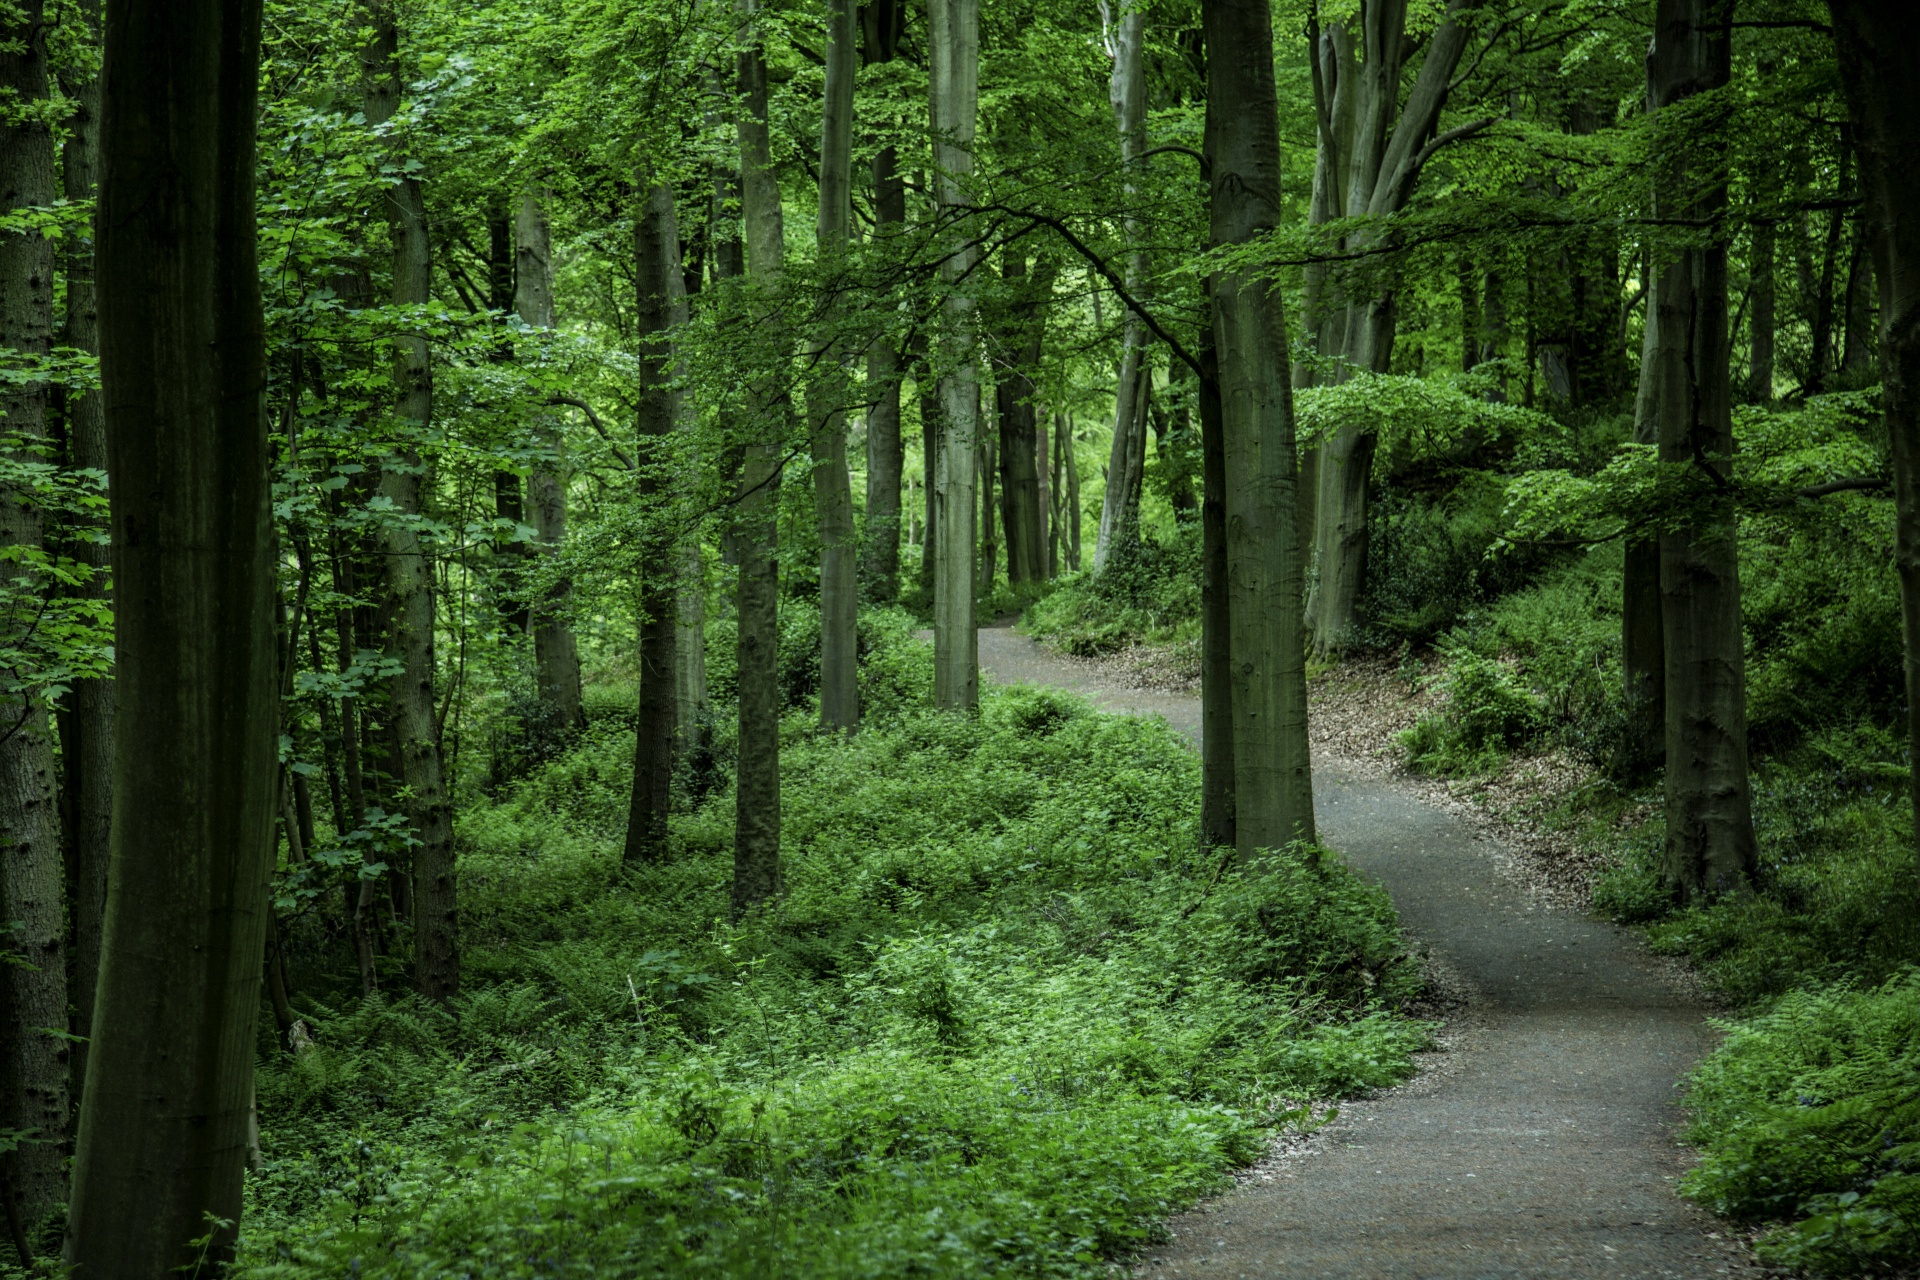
(1540, 1145)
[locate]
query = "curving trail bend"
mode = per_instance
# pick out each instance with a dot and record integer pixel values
(1540, 1145)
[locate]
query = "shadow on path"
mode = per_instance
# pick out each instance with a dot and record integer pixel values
(1540, 1145)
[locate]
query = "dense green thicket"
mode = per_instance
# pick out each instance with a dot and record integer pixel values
(1004, 1018)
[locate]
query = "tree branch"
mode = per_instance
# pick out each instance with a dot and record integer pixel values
(593, 420)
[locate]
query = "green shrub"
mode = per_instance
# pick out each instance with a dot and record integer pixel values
(1488, 711)
(1811, 1113)
(1003, 1019)
(1148, 592)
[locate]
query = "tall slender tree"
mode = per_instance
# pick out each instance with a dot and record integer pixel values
(1126, 38)
(882, 22)
(165, 1113)
(756, 835)
(1710, 840)
(954, 82)
(1273, 773)
(409, 565)
(33, 978)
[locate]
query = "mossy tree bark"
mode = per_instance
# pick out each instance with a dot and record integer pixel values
(1710, 841)
(832, 486)
(164, 1119)
(409, 567)
(1879, 67)
(1273, 778)
(756, 836)
(656, 269)
(955, 90)
(33, 980)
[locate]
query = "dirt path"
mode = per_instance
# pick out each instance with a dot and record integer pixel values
(1539, 1145)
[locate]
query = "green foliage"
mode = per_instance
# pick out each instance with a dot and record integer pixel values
(1004, 1018)
(1811, 1113)
(1488, 711)
(1148, 592)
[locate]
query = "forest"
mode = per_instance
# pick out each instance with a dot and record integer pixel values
(671, 637)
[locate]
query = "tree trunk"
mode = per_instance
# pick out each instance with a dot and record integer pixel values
(1710, 841)
(1379, 145)
(164, 1119)
(1856, 361)
(955, 85)
(556, 657)
(1070, 460)
(832, 487)
(1127, 91)
(33, 975)
(1217, 828)
(509, 502)
(1643, 649)
(756, 839)
(1761, 321)
(1023, 515)
(656, 271)
(882, 22)
(86, 747)
(1879, 66)
(929, 397)
(409, 567)
(1273, 779)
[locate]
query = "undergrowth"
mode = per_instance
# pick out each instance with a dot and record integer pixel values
(1003, 1020)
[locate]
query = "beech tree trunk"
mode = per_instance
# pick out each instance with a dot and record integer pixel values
(1273, 778)
(555, 655)
(955, 86)
(409, 568)
(832, 487)
(169, 1091)
(1761, 318)
(756, 839)
(86, 746)
(1710, 841)
(1879, 67)
(33, 977)
(1379, 150)
(1217, 827)
(1126, 36)
(1643, 647)
(509, 496)
(656, 270)
(1021, 512)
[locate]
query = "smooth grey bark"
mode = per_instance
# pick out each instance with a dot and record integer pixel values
(1710, 841)
(886, 455)
(1125, 36)
(86, 745)
(1070, 460)
(1879, 67)
(1643, 648)
(832, 486)
(1378, 146)
(756, 838)
(692, 712)
(1022, 513)
(988, 462)
(169, 1090)
(656, 271)
(409, 567)
(33, 979)
(954, 82)
(1273, 778)
(556, 656)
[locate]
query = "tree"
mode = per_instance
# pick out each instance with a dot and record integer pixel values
(409, 567)
(954, 82)
(882, 22)
(165, 1111)
(33, 986)
(1710, 841)
(1879, 65)
(1272, 767)
(1126, 37)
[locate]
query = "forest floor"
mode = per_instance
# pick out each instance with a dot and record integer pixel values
(1538, 1141)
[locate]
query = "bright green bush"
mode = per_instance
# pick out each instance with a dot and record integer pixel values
(1811, 1113)
(1148, 592)
(1004, 1018)
(1488, 711)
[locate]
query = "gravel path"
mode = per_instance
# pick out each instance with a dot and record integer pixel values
(1539, 1144)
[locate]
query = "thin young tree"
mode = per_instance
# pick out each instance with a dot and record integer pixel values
(656, 264)
(832, 486)
(409, 567)
(556, 656)
(164, 1118)
(882, 23)
(756, 836)
(1879, 67)
(33, 976)
(1710, 841)
(954, 82)
(1126, 40)
(1273, 773)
